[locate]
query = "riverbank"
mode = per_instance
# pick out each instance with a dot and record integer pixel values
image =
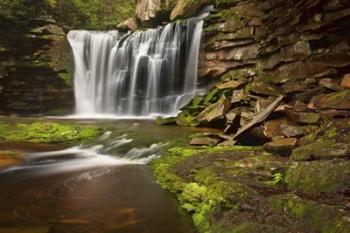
(247, 190)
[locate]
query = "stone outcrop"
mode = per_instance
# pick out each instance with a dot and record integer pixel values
(153, 12)
(254, 51)
(34, 64)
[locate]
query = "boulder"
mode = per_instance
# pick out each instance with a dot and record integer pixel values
(233, 84)
(292, 131)
(281, 146)
(321, 150)
(346, 81)
(128, 25)
(215, 111)
(336, 100)
(205, 141)
(272, 128)
(263, 88)
(318, 177)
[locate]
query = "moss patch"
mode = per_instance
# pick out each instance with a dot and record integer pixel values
(320, 218)
(46, 132)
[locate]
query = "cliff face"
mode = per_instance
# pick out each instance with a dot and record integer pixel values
(35, 61)
(33, 67)
(258, 52)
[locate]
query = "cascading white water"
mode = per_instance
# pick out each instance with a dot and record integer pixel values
(146, 73)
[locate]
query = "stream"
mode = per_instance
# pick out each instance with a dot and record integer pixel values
(104, 186)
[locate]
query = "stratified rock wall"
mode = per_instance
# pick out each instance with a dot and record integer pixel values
(256, 51)
(34, 62)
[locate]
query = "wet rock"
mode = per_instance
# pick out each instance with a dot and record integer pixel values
(304, 117)
(321, 150)
(263, 88)
(330, 84)
(282, 146)
(215, 111)
(292, 87)
(205, 141)
(337, 100)
(300, 106)
(165, 121)
(238, 96)
(319, 177)
(260, 117)
(185, 120)
(312, 215)
(292, 131)
(128, 25)
(185, 8)
(272, 128)
(233, 84)
(346, 81)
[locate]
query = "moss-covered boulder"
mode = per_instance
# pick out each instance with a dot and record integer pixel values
(310, 214)
(321, 150)
(318, 177)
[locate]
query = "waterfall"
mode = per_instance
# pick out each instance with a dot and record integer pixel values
(146, 73)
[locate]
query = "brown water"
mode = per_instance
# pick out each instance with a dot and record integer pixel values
(84, 190)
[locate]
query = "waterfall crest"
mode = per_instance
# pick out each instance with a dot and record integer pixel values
(147, 73)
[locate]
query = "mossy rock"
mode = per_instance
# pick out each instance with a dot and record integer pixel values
(46, 132)
(318, 177)
(310, 214)
(321, 150)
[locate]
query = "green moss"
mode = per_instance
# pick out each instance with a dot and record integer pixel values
(318, 217)
(46, 132)
(186, 119)
(321, 149)
(67, 78)
(207, 192)
(212, 96)
(319, 177)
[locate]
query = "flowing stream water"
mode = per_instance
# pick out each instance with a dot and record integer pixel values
(104, 186)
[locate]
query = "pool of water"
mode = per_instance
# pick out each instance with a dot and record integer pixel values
(104, 186)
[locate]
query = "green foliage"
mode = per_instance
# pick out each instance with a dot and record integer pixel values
(90, 14)
(46, 132)
(95, 14)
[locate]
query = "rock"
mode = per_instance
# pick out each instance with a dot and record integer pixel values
(185, 120)
(312, 215)
(272, 128)
(165, 121)
(185, 8)
(260, 117)
(228, 143)
(321, 150)
(336, 100)
(292, 131)
(263, 88)
(282, 146)
(304, 117)
(346, 81)
(205, 141)
(330, 84)
(215, 111)
(238, 96)
(292, 87)
(233, 84)
(300, 106)
(128, 25)
(147, 10)
(318, 177)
